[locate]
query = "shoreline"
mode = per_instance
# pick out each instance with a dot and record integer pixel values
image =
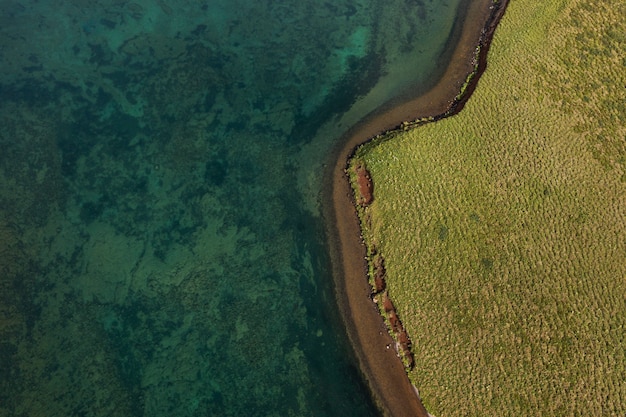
(383, 370)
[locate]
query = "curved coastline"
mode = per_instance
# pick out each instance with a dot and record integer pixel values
(383, 370)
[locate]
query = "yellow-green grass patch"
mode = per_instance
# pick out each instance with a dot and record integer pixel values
(503, 228)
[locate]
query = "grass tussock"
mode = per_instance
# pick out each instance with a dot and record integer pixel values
(503, 228)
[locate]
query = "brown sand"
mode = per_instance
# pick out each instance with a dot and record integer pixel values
(379, 363)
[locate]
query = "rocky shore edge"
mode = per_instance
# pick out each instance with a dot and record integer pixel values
(369, 336)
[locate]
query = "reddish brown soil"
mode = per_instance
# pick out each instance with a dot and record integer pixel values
(366, 186)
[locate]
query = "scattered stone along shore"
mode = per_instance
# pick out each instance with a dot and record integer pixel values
(381, 297)
(364, 196)
(384, 372)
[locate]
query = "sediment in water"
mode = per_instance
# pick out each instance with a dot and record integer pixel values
(382, 369)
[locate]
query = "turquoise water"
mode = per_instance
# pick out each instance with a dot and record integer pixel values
(161, 245)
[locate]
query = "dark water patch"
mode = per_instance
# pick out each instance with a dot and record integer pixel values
(100, 54)
(365, 73)
(91, 211)
(216, 169)
(23, 290)
(30, 93)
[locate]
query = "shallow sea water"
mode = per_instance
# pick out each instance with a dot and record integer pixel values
(161, 247)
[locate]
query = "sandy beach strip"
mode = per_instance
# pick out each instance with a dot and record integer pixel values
(383, 370)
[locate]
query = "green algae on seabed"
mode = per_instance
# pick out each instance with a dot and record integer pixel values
(159, 253)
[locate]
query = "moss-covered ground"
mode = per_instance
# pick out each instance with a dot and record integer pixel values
(503, 227)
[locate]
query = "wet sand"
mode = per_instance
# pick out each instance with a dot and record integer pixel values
(379, 363)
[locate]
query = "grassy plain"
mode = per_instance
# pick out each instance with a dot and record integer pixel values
(503, 228)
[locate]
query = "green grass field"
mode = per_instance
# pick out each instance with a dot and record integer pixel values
(503, 228)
